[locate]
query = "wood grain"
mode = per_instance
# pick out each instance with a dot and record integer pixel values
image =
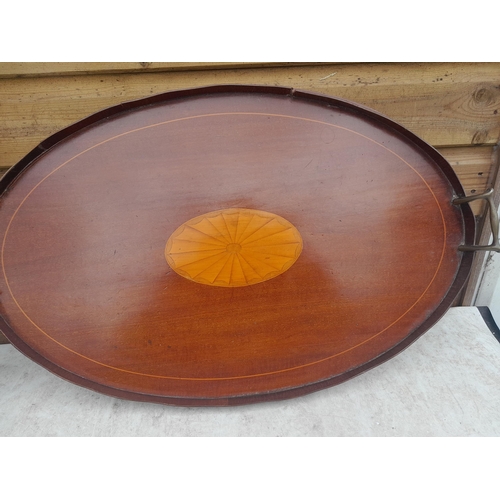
(452, 104)
(476, 168)
(87, 292)
(35, 69)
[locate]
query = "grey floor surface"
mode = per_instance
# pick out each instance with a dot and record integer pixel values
(446, 384)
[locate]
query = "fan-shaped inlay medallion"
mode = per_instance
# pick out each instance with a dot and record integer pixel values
(233, 247)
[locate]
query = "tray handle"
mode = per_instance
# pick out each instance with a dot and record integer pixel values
(487, 195)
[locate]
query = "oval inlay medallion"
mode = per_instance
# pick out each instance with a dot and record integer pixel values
(233, 247)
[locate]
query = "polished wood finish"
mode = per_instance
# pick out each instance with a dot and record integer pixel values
(475, 167)
(86, 219)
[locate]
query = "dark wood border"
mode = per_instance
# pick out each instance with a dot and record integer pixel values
(461, 276)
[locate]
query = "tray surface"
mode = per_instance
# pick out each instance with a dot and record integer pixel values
(227, 245)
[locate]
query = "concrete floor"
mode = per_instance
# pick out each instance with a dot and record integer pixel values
(445, 384)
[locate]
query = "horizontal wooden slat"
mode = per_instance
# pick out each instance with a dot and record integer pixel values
(21, 69)
(473, 166)
(445, 104)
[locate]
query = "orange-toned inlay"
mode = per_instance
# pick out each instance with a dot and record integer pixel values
(233, 247)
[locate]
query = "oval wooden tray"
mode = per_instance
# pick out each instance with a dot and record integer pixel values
(227, 245)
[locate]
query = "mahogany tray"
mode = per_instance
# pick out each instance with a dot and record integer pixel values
(227, 245)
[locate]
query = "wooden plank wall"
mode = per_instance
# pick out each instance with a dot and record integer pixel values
(453, 106)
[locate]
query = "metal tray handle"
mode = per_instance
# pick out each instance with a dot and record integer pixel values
(495, 245)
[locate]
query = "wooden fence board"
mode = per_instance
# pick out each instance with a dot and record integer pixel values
(473, 166)
(23, 69)
(445, 104)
